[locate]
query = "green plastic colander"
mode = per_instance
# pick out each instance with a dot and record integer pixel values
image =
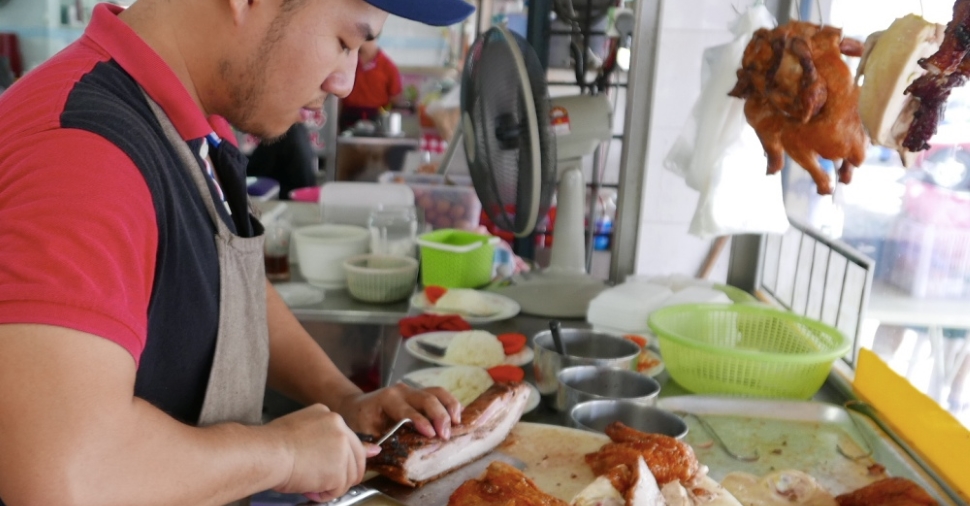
(748, 350)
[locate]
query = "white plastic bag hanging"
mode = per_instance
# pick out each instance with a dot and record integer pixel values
(718, 153)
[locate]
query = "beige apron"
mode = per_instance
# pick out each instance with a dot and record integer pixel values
(237, 381)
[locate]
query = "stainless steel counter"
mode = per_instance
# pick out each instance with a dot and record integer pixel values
(530, 325)
(339, 307)
(364, 341)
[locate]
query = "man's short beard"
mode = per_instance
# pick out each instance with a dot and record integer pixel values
(247, 87)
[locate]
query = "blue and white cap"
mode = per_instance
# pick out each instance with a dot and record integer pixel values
(429, 12)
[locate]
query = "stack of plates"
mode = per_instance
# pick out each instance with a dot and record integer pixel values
(625, 308)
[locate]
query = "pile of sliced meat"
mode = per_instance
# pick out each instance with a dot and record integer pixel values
(634, 469)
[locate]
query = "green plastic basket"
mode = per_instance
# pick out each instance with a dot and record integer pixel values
(456, 259)
(746, 350)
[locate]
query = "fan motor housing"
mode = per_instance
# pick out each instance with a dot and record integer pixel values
(588, 122)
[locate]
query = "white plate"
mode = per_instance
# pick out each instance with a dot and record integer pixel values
(508, 307)
(442, 339)
(424, 377)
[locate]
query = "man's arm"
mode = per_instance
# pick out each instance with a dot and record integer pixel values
(300, 369)
(72, 433)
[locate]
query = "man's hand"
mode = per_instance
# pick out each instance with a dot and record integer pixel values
(328, 458)
(433, 410)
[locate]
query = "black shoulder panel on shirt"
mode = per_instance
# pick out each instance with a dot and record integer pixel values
(183, 314)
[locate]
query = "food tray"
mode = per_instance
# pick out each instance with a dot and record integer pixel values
(799, 435)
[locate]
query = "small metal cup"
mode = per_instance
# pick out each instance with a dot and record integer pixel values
(587, 383)
(596, 415)
(583, 347)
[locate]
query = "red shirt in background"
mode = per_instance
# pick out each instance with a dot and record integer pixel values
(376, 83)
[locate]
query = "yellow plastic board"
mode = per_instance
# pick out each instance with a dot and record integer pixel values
(924, 424)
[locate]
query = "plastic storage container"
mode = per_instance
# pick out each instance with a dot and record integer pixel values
(447, 202)
(929, 261)
(456, 258)
(746, 350)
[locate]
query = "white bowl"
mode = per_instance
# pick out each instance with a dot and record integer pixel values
(322, 249)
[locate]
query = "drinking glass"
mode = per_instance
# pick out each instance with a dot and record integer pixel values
(276, 250)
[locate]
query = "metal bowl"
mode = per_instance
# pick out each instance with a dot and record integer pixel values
(596, 415)
(583, 347)
(588, 382)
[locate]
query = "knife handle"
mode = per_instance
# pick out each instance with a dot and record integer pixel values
(356, 494)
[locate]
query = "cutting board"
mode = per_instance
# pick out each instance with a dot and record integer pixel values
(553, 456)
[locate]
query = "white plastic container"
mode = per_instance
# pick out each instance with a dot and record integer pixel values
(350, 203)
(322, 249)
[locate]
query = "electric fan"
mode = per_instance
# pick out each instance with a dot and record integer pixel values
(513, 136)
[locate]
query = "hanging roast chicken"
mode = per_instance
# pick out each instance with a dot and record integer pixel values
(800, 98)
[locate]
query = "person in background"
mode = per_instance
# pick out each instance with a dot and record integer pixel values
(290, 160)
(377, 85)
(138, 333)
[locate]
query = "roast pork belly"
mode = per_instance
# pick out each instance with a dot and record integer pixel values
(411, 459)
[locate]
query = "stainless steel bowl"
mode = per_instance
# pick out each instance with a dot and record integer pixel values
(588, 383)
(583, 347)
(596, 415)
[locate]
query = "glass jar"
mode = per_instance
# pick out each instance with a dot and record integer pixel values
(393, 231)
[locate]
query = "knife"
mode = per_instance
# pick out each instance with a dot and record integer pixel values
(431, 349)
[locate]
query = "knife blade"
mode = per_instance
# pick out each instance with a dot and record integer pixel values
(439, 490)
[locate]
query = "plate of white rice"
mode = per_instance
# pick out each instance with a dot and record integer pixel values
(465, 382)
(471, 347)
(474, 306)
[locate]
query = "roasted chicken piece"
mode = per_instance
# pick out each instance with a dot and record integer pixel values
(777, 64)
(800, 98)
(946, 69)
(887, 492)
(502, 485)
(667, 458)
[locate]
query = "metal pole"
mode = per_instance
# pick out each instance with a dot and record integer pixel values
(537, 29)
(594, 189)
(633, 160)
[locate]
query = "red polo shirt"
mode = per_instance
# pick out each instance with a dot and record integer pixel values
(376, 83)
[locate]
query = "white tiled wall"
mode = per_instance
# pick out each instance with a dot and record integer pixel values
(688, 27)
(413, 44)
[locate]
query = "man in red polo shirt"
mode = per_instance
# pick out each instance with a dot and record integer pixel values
(377, 85)
(137, 330)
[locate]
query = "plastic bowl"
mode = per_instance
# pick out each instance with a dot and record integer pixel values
(322, 249)
(597, 415)
(381, 278)
(746, 350)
